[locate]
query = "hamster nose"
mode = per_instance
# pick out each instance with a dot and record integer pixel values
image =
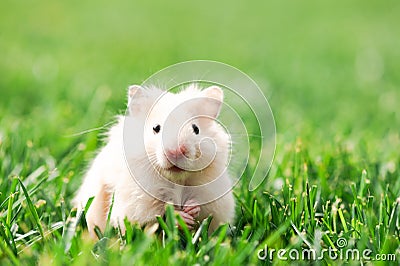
(177, 153)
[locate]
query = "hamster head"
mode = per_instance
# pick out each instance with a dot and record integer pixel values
(181, 135)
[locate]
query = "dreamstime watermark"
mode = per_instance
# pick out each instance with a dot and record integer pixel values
(333, 253)
(245, 116)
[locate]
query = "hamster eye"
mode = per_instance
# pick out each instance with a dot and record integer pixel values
(196, 129)
(156, 129)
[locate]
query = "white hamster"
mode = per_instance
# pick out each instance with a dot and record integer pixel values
(168, 148)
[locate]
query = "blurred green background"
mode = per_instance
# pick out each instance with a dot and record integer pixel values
(331, 73)
(329, 69)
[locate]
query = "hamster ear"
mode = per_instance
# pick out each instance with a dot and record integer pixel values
(135, 93)
(214, 103)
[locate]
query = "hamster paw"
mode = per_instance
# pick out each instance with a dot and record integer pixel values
(192, 207)
(187, 218)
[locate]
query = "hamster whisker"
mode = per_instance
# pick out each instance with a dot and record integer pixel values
(248, 135)
(86, 131)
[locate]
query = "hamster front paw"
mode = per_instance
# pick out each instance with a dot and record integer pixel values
(189, 211)
(188, 219)
(192, 207)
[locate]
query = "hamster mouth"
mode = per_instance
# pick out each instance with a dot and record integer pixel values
(175, 169)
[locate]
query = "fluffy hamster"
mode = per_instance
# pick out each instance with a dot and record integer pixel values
(168, 148)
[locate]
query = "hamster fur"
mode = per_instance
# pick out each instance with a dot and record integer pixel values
(134, 148)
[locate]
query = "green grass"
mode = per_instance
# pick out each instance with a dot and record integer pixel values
(329, 70)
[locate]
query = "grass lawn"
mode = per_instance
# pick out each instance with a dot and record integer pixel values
(330, 71)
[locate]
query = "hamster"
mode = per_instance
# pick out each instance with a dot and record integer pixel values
(168, 148)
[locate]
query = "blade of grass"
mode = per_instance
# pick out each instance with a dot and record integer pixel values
(32, 209)
(184, 228)
(11, 255)
(163, 225)
(203, 226)
(343, 221)
(7, 236)
(170, 219)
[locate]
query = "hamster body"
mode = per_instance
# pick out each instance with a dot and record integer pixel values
(167, 149)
